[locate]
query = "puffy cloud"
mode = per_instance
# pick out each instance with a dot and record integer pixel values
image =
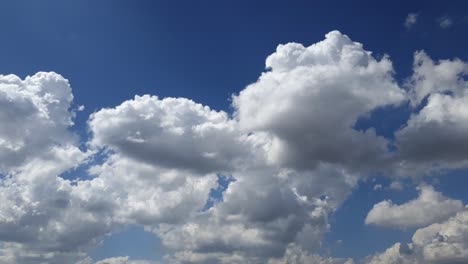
(146, 194)
(436, 136)
(45, 218)
(396, 254)
(261, 214)
(268, 207)
(295, 255)
(172, 132)
(428, 208)
(290, 148)
(445, 242)
(40, 217)
(34, 117)
(411, 20)
(310, 100)
(436, 77)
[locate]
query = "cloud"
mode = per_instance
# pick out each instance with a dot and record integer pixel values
(396, 254)
(445, 22)
(431, 77)
(411, 20)
(34, 117)
(124, 260)
(290, 146)
(441, 123)
(39, 212)
(173, 132)
(297, 256)
(262, 213)
(445, 242)
(148, 195)
(311, 98)
(268, 207)
(428, 208)
(396, 185)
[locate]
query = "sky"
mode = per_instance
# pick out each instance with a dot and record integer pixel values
(149, 132)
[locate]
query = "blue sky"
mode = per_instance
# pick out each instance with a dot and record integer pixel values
(208, 51)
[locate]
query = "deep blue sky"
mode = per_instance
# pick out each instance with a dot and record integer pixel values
(111, 50)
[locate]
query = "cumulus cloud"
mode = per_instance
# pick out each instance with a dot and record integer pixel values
(436, 136)
(445, 242)
(411, 20)
(311, 98)
(428, 208)
(172, 132)
(431, 77)
(290, 147)
(294, 255)
(396, 254)
(262, 213)
(34, 117)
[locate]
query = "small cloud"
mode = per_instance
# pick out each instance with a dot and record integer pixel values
(377, 187)
(410, 20)
(396, 185)
(445, 22)
(428, 208)
(81, 108)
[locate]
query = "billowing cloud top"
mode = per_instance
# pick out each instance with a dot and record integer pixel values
(311, 98)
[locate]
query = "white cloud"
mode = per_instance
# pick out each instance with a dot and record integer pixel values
(262, 213)
(267, 207)
(428, 208)
(290, 147)
(124, 260)
(145, 194)
(396, 185)
(172, 132)
(411, 20)
(435, 137)
(34, 117)
(431, 77)
(445, 22)
(311, 98)
(396, 254)
(445, 242)
(295, 255)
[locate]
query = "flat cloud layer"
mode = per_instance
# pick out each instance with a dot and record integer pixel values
(290, 148)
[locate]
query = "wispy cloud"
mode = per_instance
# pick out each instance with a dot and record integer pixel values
(411, 19)
(445, 22)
